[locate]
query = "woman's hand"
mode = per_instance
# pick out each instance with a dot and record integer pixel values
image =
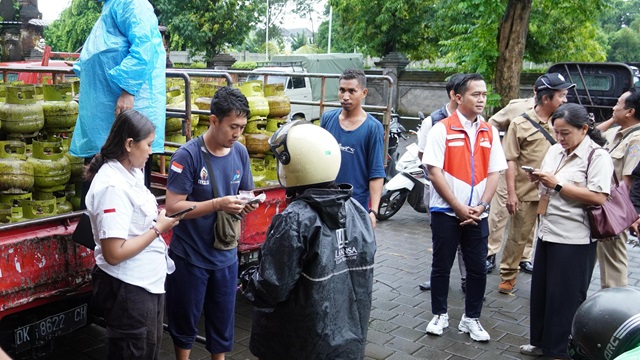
(165, 223)
(547, 179)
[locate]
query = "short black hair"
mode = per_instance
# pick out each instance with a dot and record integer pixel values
(350, 74)
(463, 84)
(451, 82)
(633, 101)
(540, 94)
(228, 100)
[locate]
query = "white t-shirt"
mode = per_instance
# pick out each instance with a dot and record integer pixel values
(120, 206)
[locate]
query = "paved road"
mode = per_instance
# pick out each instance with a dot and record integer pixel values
(400, 310)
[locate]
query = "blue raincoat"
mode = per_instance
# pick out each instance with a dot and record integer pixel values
(123, 52)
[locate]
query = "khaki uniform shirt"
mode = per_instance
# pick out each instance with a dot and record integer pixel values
(526, 145)
(502, 118)
(626, 155)
(565, 220)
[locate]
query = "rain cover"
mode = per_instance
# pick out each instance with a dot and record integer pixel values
(124, 51)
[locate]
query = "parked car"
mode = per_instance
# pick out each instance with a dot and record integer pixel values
(598, 85)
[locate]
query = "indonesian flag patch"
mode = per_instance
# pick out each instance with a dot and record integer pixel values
(176, 167)
(107, 211)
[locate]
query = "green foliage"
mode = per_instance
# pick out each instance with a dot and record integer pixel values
(210, 26)
(72, 28)
(554, 36)
(379, 27)
(341, 41)
(244, 65)
(298, 40)
(625, 43)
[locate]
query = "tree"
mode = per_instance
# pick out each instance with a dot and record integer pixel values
(625, 43)
(512, 37)
(298, 40)
(210, 26)
(69, 32)
(395, 25)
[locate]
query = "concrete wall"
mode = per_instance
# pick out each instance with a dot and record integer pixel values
(425, 91)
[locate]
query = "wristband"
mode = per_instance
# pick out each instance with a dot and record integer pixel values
(371, 211)
(154, 228)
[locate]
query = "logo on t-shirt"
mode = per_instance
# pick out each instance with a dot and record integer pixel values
(204, 177)
(347, 149)
(236, 177)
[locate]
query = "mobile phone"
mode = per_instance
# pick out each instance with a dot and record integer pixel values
(184, 211)
(528, 169)
(253, 201)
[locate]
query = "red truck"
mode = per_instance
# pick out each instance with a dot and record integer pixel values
(45, 278)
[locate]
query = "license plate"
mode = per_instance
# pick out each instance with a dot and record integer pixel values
(49, 327)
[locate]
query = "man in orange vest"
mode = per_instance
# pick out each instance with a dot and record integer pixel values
(464, 158)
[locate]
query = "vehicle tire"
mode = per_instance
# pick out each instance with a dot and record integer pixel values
(390, 203)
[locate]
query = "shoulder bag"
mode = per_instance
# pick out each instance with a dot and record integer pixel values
(544, 132)
(228, 227)
(616, 214)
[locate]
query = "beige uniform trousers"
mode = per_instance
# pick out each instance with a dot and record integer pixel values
(521, 230)
(612, 257)
(498, 216)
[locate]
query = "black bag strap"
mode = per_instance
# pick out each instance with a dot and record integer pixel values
(207, 162)
(540, 128)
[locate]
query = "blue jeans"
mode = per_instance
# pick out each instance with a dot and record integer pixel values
(472, 239)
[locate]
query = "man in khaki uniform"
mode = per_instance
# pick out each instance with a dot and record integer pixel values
(498, 214)
(623, 143)
(526, 143)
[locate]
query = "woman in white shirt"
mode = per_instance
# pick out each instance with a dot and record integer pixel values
(565, 253)
(131, 260)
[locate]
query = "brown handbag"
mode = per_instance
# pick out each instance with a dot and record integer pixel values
(615, 215)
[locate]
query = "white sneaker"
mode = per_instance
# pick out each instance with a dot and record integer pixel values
(438, 324)
(473, 328)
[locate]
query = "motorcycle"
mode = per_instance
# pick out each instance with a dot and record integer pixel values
(408, 185)
(396, 131)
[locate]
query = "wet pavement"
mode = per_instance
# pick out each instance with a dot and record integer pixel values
(400, 311)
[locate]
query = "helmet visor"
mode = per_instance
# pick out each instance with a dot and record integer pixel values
(278, 141)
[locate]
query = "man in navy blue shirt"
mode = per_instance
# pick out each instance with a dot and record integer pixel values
(361, 140)
(206, 275)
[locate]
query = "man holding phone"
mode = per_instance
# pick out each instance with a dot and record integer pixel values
(205, 276)
(527, 140)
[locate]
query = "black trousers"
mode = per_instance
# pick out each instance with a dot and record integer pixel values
(133, 316)
(561, 277)
(447, 235)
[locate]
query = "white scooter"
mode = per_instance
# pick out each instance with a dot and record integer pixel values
(409, 184)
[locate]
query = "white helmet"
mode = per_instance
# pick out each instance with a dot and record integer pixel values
(307, 154)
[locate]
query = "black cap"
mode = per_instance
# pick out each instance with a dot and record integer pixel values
(553, 81)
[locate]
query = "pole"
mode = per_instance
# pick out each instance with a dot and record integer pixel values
(266, 45)
(330, 23)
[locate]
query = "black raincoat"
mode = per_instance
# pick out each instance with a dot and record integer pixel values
(312, 288)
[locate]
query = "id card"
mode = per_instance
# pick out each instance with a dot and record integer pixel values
(543, 204)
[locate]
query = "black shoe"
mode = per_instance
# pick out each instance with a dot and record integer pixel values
(526, 266)
(463, 285)
(490, 263)
(425, 286)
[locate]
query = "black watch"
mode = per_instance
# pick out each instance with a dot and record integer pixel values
(486, 206)
(558, 186)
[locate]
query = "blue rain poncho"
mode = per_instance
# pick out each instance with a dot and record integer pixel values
(124, 51)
